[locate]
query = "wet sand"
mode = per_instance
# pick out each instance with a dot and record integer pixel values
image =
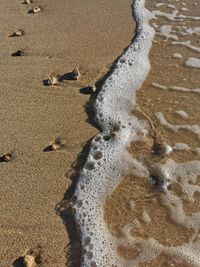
(66, 34)
(135, 198)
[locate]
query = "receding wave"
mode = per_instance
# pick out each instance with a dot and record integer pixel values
(108, 159)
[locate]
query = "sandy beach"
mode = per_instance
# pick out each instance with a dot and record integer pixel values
(64, 35)
(130, 197)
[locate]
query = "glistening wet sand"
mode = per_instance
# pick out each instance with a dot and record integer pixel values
(136, 204)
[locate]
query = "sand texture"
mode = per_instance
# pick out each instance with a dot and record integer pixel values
(90, 34)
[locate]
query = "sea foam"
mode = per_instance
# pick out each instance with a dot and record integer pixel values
(108, 159)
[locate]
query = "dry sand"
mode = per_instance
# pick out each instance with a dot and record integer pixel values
(89, 33)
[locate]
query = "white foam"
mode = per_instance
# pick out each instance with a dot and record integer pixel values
(182, 113)
(193, 62)
(109, 160)
(166, 32)
(159, 4)
(195, 30)
(146, 217)
(173, 16)
(160, 86)
(185, 174)
(175, 88)
(184, 9)
(171, 6)
(168, 149)
(101, 175)
(188, 45)
(181, 146)
(193, 128)
(188, 173)
(170, 16)
(183, 30)
(177, 56)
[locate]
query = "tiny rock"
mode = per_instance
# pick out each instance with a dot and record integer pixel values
(75, 74)
(29, 261)
(17, 33)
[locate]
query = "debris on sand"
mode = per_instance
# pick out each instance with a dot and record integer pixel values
(18, 53)
(17, 33)
(57, 144)
(7, 157)
(53, 79)
(29, 261)
(158, 178)
(75, 74)
(27, 2)
(34, 10)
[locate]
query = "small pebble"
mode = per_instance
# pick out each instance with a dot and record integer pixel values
(17, 33)
(29, 261)
(34, 10)
(18, 53)
(75, 74)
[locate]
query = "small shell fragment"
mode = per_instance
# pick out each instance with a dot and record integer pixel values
(53, 79)
(29, 261)
(92, 88)
(55, 145)
(27, 2)
(17, 33)
(75, 74)
(34, 10)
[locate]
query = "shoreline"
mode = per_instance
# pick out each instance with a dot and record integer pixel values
(108, 159)
(153, 219)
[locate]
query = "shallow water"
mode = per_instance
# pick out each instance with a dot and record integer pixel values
(135, 207)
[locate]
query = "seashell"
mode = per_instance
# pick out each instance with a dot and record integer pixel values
(34, 10)
(55, 145)
(29, 261)
(53, 79)
(27, 2)
(75, 74)
(6, 157)
(17, 33)
(18, 53)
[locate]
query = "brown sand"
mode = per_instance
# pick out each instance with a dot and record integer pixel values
(169, 72)
(89, 33)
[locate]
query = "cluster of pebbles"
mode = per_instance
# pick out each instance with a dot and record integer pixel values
(53, 80)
